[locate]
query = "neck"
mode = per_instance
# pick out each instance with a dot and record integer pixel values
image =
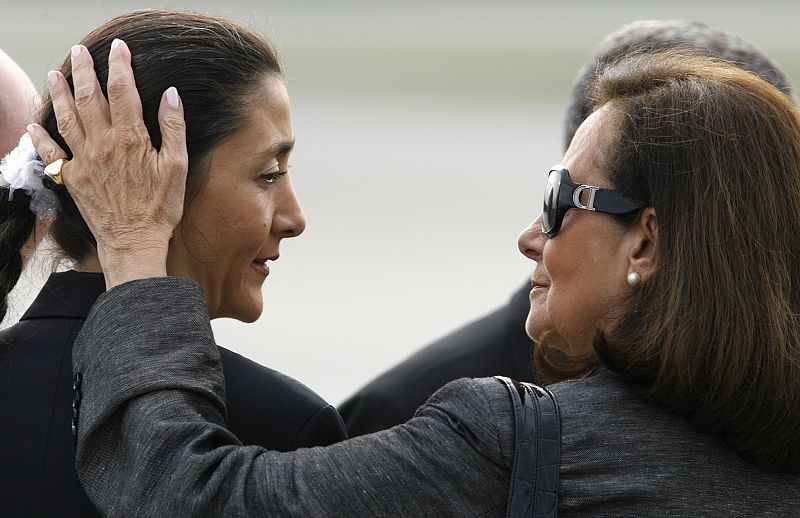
(91, 264)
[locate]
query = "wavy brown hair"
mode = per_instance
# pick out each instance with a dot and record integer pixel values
(715, 333)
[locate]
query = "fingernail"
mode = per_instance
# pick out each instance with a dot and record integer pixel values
(115, 44)
(31, 128)
(76, 51)
(172, 97)
(52, 77)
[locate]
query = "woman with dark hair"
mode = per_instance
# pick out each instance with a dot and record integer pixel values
(239, 205)
(667, 256)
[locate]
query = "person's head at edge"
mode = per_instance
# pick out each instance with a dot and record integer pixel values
(710, 326)
(239, 202)
(660, 34)
(18, 102)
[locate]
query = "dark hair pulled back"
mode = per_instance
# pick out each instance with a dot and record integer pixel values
(214, 63)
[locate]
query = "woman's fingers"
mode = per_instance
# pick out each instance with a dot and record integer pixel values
(172, 158)
(47, 148)
(123, 98)
(89, 100)
(130, 195)
(173, 132)
(69, 123)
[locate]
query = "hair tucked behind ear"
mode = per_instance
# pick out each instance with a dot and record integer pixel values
(16, 226)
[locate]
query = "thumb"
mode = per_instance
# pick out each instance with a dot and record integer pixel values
(173, 132)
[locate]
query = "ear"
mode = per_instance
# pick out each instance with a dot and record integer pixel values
(644, 245)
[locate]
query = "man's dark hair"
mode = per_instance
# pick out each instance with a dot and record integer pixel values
(661, 34)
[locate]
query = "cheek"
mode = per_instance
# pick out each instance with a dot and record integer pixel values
(218, 234)
(575, 300)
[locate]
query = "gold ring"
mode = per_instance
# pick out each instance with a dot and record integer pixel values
(53, 171)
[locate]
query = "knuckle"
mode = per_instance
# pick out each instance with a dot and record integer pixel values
(50, 154)
(85, 95)
(173, 123)
(78, 64)
(131, 138)
(67, 122)
(102, 154)
(116, 88)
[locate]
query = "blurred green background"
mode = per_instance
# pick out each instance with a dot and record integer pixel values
(424, 132)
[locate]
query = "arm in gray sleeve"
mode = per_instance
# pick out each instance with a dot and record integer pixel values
(152, 438)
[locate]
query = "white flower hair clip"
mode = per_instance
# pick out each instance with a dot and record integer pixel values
(22, 169)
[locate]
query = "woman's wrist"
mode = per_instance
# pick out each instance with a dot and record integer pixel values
(144, 259)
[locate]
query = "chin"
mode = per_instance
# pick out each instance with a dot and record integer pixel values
(247, 313)
(533, 326)
(248, 317)
(530, 331)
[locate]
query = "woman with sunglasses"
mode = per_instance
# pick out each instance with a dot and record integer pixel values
(667, 291)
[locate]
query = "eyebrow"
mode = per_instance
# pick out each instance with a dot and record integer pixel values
(281, 148)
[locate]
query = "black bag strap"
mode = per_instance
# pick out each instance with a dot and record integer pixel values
(534, 477)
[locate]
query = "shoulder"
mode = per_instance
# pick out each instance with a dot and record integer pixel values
(471, 395)
(271, 409)
(33, 353)
(244, 372)
(482, 409)
(602, 395)
(621, 453)
(604, 402)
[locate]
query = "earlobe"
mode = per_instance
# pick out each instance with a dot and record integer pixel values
(642, 257)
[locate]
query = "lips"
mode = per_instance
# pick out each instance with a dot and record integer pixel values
(260, 267)
(537, 285)
(260, 264)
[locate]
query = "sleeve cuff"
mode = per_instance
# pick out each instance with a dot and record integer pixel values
(142, 336)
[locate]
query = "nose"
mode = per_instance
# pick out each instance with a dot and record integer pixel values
(289, 220)
(531, 240)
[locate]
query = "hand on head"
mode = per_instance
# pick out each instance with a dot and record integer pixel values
(130, 195)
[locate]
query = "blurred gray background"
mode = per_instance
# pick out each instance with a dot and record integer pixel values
(424, 132)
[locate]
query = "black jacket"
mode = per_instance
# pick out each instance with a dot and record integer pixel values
(495, 344)
(37, 449)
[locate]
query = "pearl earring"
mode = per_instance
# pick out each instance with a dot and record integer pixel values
(634, 279)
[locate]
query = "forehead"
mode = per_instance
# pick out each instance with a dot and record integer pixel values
(587, 151)
(268, 114)
(267, 124)
(266, 132)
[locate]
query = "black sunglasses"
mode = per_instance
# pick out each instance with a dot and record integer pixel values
(563, 194)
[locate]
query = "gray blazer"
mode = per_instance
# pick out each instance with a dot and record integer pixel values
(152, 440)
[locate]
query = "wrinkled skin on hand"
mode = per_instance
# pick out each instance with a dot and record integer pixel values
(130, 195)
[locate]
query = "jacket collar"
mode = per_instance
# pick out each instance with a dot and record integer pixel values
(67, 295)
